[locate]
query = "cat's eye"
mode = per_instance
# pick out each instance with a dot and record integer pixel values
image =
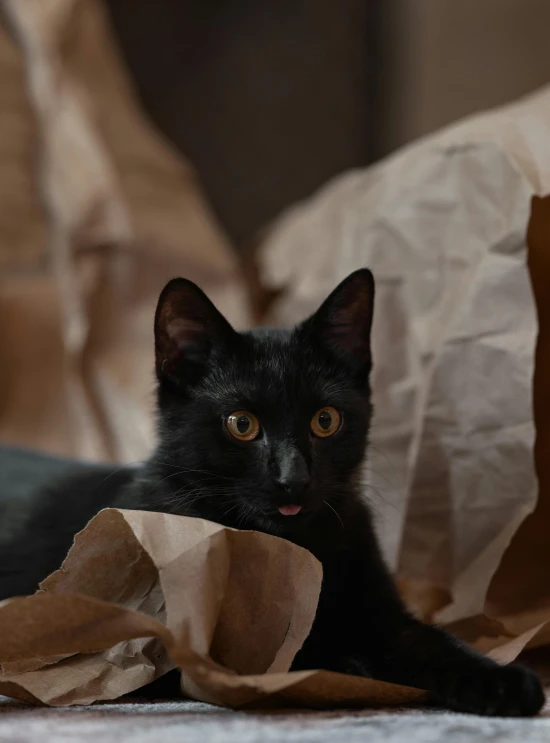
(326, 422)
(243, 425)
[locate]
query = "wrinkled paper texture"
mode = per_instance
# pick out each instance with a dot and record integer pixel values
(141, 593)
(445, 226)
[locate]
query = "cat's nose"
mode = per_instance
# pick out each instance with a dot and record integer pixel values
(290, 472)
(294, 486)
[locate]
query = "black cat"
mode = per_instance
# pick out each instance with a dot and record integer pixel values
(267, 430)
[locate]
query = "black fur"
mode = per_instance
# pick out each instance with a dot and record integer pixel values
(205, 372)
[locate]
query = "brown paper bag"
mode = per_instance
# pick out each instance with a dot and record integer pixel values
(141, 593)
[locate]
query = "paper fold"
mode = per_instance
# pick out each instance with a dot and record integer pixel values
(140, 593)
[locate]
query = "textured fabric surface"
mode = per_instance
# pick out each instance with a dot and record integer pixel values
(194, 722)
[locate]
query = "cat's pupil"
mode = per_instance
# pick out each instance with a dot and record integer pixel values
(325, 419)
(243, 424)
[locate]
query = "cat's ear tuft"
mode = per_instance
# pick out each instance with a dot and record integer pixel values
(344, 320)
(188, 327)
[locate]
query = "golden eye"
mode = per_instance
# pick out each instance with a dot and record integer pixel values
(326, 422)
(243, 425)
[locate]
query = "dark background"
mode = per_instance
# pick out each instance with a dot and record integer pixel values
(270, 98)
(267, 99)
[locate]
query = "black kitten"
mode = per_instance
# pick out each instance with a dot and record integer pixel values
(267, 430)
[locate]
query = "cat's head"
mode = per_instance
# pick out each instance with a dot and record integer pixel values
(266, 428)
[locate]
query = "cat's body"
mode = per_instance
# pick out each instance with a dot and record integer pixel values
(267, 430)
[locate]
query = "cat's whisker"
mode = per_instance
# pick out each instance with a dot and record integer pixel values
(216, 475)
(193, 482)
(368, 469)
(370, 489)
(233, 507)
(190, 469)
(189, 487)
(381, 453)
(245, 512)
(335, 513)
(118, 469)
(176, 505)
(179, 496)
(173, 474)
(164, 464)
(189, 497)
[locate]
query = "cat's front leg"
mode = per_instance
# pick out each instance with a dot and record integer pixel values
(362, 628)
(458, 678)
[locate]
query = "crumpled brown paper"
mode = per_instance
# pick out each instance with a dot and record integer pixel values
(457, 232)
(141, 593)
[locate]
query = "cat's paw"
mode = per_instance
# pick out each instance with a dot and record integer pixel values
(502, 691)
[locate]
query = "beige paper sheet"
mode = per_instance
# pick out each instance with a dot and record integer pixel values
(141, 593)
(447, 228)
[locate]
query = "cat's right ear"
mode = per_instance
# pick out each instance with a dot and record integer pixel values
(188, 328)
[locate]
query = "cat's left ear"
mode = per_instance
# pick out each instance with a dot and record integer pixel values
(188, 329)
(344, 321)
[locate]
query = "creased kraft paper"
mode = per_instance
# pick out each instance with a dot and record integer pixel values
(456, 229)
(141, 593)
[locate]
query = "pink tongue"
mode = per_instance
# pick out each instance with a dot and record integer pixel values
(290, 510)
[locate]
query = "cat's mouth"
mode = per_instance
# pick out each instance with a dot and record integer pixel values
(291, 510)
